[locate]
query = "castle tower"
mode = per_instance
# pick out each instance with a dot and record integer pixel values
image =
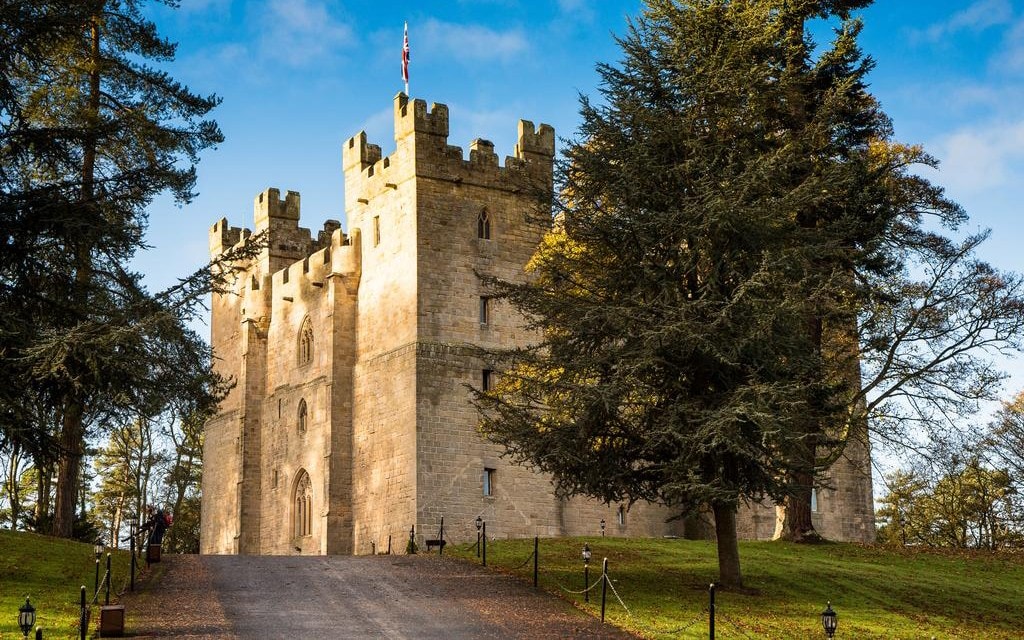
(350, 419)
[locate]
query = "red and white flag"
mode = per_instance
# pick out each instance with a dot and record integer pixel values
(405, 59)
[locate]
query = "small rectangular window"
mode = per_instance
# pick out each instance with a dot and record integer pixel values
(488, 482)
(814, 500)
(485, 310)
(622, 516)
(376, 230)
(486, 380)
(275, 479)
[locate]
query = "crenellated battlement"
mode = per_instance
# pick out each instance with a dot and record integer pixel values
(422, 151)
(268, 206)
(223, 237)
(417, 119)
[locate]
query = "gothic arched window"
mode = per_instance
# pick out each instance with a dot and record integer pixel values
(306, 342)
(302, 415)
(483, 225)
(303, 505)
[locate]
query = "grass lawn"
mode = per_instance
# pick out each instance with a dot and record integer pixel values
(878, 593)
(51, 572)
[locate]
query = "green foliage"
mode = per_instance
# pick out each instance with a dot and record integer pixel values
(50, 571)
(877, 592)
(966, 506)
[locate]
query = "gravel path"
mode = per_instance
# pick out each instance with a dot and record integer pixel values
(329, 597)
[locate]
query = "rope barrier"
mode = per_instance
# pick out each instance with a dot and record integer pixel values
(618, 598)
(736, 625)
(697, 618)
(523, 564)
(596, 582)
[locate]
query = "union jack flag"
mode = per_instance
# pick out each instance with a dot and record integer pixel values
(405, 58)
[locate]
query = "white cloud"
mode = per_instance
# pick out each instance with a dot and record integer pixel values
(978, 16)
(300, 31)
(1011, 57)
(203, 6)
(462, 42)
(982, 157)
(577, 10)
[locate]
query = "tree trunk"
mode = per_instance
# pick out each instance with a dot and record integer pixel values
(69, 464)
(728, 547)
(793, 519)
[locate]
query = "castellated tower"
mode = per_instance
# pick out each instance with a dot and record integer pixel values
(350, 420)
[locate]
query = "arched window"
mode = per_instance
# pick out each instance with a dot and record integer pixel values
(306, 342)
(483, 225)
(302, 415)
(303, 505)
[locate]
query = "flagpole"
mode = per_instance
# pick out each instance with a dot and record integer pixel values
(405, 59)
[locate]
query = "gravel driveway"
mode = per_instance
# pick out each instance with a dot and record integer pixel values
(328, 597)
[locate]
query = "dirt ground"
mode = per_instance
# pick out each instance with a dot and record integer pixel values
(190, 596)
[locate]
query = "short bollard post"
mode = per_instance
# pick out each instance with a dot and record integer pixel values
(96, 583)
(535, 545)
(373, 548)
(39, 633)
(412, 540)
(107, 598)
(479, 523)
(586, 573)
(483, 543)
(604, 586)
(440, 546)
(83, 618)
(389, 544)
(131, 546)
(711, 611)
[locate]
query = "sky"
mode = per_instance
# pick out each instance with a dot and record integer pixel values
(298, 77)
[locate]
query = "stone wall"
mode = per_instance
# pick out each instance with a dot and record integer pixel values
(390, 437)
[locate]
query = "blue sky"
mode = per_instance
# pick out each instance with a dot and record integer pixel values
(298, 77)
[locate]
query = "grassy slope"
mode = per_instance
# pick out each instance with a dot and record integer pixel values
(50, 571)
(877, 593)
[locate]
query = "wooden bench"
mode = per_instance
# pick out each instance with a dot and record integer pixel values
(431, 544)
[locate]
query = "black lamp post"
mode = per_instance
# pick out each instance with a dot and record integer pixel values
(26, 617)
(586, 573)
(479, 523)
(829, 620)
(602, 527)
(98, 550)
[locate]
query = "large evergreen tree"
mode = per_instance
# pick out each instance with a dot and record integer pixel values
(729, 215)
(91, 134)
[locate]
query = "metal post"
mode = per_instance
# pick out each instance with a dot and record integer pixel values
(96, 584)
(535, 543)
(131, 546)
(39, 633)
(108, 580)
(711, 612)
(604, 586)
(478, 543)
(412, 539)
(440, 547)
(83, 618)
(483, 548)
(373, 548)
(586, 582)
(389, 544)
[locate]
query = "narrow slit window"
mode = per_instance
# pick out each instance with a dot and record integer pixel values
(302, 417)
(488, 482)
(376, 230)
(622, 516)
(485, 310)
(487, 379)
(814, 500)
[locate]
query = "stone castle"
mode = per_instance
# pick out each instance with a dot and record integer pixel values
(350, 420)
